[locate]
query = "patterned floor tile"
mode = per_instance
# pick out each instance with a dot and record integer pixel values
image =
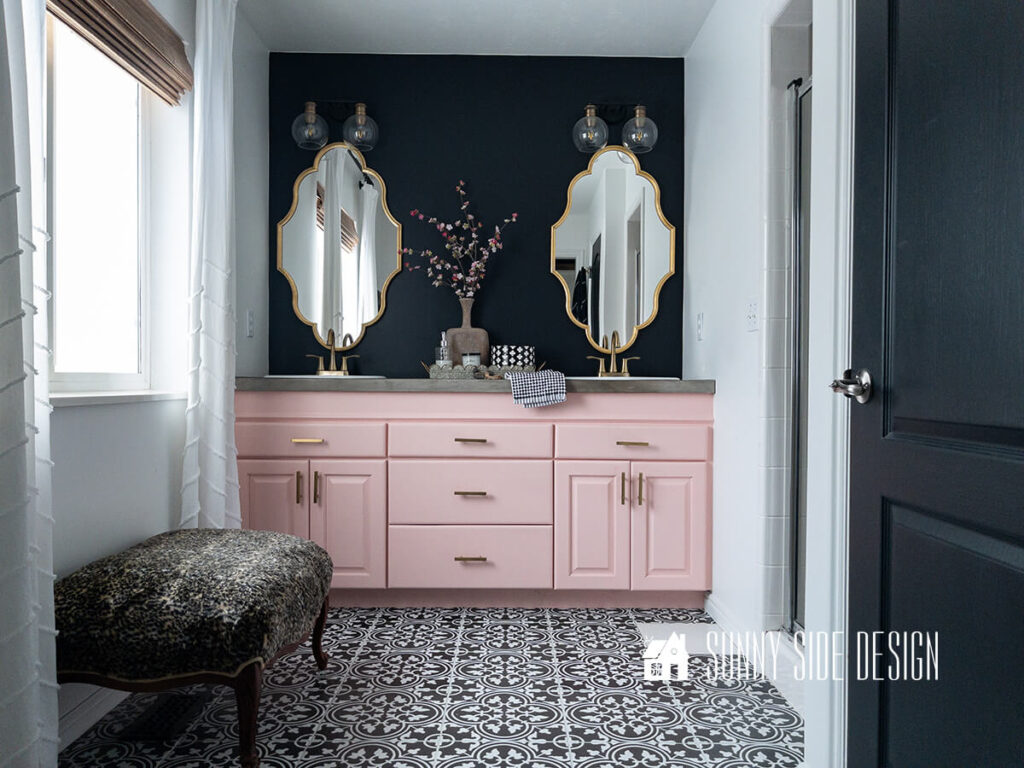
(478, 688)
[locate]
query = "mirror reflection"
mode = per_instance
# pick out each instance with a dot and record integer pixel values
(339, 245)
(613, 248)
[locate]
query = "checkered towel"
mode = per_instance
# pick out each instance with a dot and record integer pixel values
(535, 389)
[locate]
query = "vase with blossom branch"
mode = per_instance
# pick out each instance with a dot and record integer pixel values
(461, 266)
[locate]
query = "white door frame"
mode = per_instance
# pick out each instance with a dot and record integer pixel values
(829, 354)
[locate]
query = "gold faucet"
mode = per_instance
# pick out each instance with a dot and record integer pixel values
(613, 369)
(333, 370)
(346, 340)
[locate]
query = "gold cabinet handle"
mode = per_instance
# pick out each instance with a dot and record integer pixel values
(640, 495)
(470, 493)
(470, 439)
(310, 440)
(470, 559)
(640, 443)
(298, 487)
(622, 489)
(316, 487)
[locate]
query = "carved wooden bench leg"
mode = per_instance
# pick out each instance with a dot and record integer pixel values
(318, 636)
(247, 695)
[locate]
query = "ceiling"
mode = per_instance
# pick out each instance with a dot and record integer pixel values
(496, 27)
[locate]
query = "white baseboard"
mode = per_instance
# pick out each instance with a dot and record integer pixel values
(783, 676)
(723, 617)
(85, 714)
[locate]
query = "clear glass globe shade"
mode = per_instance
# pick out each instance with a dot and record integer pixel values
(590, 133)
(639, 134)
(361, 131)
(309, 134)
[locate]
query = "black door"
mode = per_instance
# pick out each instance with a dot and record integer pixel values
(937, 453)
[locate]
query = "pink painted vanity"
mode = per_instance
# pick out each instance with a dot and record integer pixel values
(604, 499)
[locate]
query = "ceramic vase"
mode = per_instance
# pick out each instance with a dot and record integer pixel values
(466, 338)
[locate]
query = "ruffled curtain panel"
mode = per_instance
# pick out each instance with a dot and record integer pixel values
(28, 688)
(210, 472)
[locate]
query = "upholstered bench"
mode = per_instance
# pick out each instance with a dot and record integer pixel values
(194, 606)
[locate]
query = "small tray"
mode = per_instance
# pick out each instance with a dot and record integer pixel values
(474, 371)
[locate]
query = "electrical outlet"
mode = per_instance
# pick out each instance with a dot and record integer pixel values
(700, 326)
(751, 315)
(250, 323)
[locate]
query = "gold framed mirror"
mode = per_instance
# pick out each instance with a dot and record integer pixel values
(338, 246)
(613, 249)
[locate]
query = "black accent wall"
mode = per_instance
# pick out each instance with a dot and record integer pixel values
(501, 123)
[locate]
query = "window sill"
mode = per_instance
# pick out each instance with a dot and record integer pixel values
(70, 399)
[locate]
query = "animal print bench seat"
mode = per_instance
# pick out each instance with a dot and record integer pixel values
(190, 606)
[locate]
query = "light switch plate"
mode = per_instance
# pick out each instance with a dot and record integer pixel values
(751, 315)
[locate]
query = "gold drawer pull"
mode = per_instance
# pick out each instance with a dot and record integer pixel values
(641, 443)
(310, 440)
(470, 493)
(316, 487)
(622, 489)
(298, 487)
(470, 439)
(640, 496)
(470, 559)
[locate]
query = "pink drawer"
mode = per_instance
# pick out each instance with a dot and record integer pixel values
(470, 491)
(517, 556)
(475, 440)
(687, 442)
(350, 439)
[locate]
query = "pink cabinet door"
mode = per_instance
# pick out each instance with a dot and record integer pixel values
(671, 537)
(348, 518)
(592, 524)
(274, 495)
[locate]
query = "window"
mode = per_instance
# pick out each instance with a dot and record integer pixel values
(96, 173)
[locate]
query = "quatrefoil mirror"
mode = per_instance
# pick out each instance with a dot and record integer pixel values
(613, 249)
(339, 246)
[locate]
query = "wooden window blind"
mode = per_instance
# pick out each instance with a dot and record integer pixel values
(136, 37)
(349, 238)
(349, 235)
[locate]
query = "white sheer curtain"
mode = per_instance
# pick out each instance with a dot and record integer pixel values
(334, 165)
(368, 255)
(28, 690)
(210, 474)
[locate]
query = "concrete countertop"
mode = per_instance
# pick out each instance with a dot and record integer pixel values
(357, 384)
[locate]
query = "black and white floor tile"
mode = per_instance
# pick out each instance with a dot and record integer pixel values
(467, 688)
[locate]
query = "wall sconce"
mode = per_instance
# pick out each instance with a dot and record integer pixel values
(360, 130)
(309, 129)
(590, 132)
(639, 133)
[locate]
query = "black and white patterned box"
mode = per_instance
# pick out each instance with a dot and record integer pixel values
(512, 354)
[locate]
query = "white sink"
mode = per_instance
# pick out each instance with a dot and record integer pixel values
(314, 376)
(622, 378)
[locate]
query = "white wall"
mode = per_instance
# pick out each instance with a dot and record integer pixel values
(252, 174)
(729, 241)
(724, 244)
